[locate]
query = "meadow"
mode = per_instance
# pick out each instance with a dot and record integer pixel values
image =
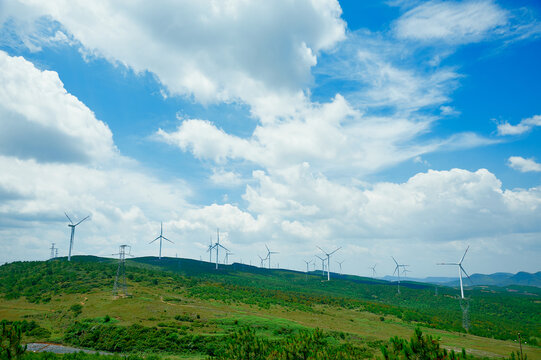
(181, 308)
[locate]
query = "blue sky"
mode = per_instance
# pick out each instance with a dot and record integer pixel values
(397, 127)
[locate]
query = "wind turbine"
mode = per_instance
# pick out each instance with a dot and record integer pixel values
(72, 226)
(340, 264)
(209, 249)
(269, 254)
(329, 261)
(217, 246)
(307, 267)
(460, 271)
(373, 270)
(262, 261)
(161, 238)
(405, 272)
(397, 271)
(227, 253)
(322, 264)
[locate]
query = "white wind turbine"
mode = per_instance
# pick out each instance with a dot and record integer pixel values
(217, 246)
(373, 270)
(262, 263)
(161, 238)
(397, 271)
(269, 254)
(340, 264)
(209, 249)
(307, 267)
(460, 271)
(322, 264)
(329, 261)
(227, 254)
(72, 226)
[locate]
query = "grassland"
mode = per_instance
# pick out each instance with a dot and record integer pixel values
(187, 299)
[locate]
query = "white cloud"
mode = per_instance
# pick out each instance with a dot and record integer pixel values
(524, 165)
(40, 120)
(450, 21)
(303, 154)
(216, 51)
(225, 178)
(524, 126)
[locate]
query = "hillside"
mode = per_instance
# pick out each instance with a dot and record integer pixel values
(183, 306)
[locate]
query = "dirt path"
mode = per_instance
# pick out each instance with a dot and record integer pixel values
(59, 349)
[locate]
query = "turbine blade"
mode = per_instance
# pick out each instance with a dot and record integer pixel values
(323, 251)
(223, 247)
(394, 272)
(335, 250)
(154, 240)
(469, 278)
(395, 260)
(167, 239)
(68, 218)
(463, 256)
(447, 264)
(82, 220)
(267, 248)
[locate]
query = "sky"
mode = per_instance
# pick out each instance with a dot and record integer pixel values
(397, 128)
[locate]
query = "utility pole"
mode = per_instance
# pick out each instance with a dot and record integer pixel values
(121, 271)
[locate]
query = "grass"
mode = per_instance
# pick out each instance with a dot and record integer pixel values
(161, 304)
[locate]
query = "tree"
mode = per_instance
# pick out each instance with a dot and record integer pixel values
(10, 342)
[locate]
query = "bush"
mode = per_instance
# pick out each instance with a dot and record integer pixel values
(77, 309)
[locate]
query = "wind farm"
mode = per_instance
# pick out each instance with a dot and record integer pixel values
(270, 180)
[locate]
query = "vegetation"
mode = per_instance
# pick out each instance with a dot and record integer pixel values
(187, 307)
(10, 342)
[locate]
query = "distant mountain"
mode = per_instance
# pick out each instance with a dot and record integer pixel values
(430, 280)
(496, 279)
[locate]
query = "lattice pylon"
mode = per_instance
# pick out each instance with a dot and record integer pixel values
(120, 285)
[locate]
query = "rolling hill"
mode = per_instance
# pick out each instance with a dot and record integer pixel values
(185, 307)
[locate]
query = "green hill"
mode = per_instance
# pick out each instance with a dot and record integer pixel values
(183, 306)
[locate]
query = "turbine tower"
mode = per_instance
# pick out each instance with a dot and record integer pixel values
(217, 246)
(397, 271)
(460, 271)
(72, 226)
(269, 254)
(161, 238)
(373, 270)
(329, 261)
(121, 270)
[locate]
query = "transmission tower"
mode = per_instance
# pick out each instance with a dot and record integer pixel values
(465, 306)
(54, 251)
(120, 279)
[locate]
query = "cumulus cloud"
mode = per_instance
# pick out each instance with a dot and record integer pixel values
(524, 165)
(225, 178)
(450, 21)
(524, 126)
(216, 51)
(40, 120)
(303, 154)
